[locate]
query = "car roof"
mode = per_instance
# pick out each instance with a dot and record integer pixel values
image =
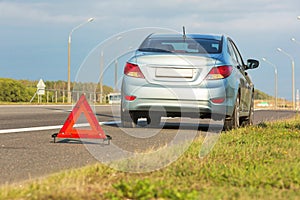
(193, 36)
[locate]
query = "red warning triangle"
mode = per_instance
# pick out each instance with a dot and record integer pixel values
(81, 107)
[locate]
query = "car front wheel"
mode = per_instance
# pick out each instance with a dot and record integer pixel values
(249, 120)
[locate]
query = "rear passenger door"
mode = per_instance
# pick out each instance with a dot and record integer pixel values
(244, 79)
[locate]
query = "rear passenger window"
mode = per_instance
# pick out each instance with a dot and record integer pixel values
(237, 54)
(231, 52)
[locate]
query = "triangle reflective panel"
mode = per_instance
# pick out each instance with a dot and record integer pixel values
(81, 108)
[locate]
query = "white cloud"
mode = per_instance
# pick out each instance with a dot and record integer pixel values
(32, 13)
(136, 13)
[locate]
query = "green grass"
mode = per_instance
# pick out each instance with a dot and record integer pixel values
(259, 162)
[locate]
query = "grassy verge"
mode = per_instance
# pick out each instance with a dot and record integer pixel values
(260, 162)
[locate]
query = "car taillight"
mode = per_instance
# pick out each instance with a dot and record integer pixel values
(218, 100)
(133, 70)
(219, 72)
(130, 98)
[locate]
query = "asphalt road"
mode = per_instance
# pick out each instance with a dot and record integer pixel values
(28, 154)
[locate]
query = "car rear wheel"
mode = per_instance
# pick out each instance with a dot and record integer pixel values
(153, 120)
(234, 121)
(128, 120)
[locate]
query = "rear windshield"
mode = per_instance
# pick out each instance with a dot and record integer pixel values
(179, 45)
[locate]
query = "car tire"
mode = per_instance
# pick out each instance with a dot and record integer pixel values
(249, 120)
(128, 120)
(234, 121)
(153, 120)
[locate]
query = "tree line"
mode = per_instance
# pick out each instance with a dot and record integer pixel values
(12, 90)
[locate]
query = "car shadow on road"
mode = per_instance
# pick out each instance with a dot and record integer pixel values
(108, 115)
(176, 126)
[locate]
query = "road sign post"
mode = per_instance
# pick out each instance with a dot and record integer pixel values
(40, 89)
(298, 101)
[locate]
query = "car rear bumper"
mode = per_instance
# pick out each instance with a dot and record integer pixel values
(180, 101)
(175, 108)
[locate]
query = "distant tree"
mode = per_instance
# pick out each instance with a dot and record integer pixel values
(23, 90)
(14, 91)
(258, 95)
(107, 90)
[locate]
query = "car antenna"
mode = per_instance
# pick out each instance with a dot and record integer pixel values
(183, 33)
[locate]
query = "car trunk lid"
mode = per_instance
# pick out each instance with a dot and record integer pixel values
(172, 69)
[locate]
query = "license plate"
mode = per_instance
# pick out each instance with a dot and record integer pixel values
(174, 72)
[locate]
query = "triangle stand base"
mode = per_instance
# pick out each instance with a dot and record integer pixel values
(107, 139)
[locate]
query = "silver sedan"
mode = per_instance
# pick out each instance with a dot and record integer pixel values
(173, 75)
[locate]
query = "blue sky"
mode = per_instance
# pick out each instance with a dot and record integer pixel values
(34, 33)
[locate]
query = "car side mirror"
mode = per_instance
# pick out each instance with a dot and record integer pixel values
(252, 64)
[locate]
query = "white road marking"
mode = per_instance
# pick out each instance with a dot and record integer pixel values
(44, 105)
(43, 128)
